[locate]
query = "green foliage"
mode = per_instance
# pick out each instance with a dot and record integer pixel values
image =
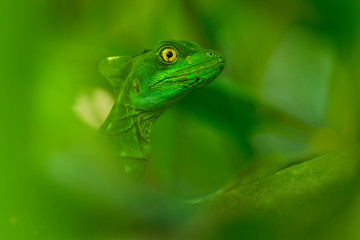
(306, 200)
(289, 93)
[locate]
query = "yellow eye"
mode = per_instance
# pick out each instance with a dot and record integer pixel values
(168, 54)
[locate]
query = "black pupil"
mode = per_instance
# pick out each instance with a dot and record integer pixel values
(169, 54)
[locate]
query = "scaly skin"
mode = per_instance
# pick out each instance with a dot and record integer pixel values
(145, 86)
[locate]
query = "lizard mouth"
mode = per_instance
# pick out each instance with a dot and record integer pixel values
(194, 75)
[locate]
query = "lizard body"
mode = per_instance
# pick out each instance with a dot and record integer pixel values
(145, 86)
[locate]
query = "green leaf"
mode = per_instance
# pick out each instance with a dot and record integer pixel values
(311, 197)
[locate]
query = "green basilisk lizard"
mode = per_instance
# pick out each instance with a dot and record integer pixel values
(145, 86)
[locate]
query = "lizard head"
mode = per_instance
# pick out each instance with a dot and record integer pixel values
(156, 79)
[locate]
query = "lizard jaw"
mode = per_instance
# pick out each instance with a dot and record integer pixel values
(194, 75)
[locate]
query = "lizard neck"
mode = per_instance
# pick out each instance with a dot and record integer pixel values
(127, 130)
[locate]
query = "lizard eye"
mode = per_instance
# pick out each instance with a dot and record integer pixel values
(168, 54)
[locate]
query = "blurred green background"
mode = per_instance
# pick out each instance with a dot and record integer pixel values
(289, 93)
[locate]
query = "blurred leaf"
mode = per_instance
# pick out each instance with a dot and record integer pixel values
(297, 199)
(298, 75)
